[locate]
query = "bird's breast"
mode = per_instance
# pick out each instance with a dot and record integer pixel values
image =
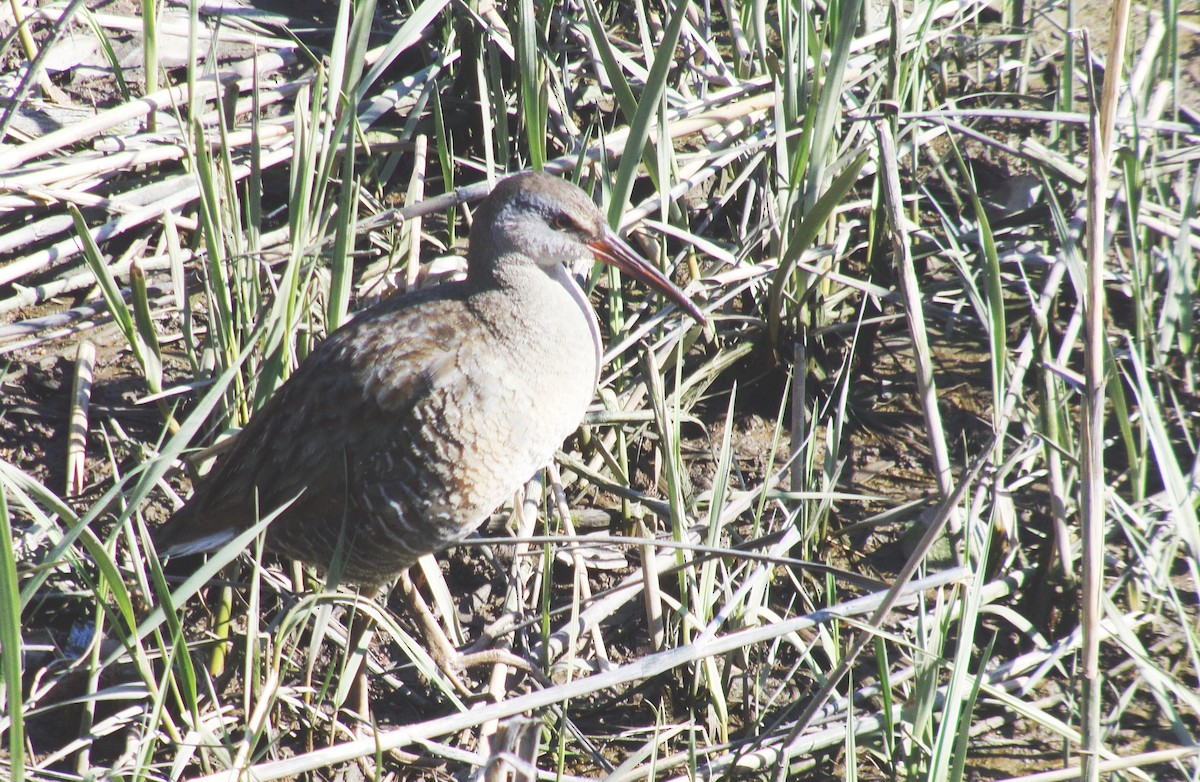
(497, 397)
(532, 383)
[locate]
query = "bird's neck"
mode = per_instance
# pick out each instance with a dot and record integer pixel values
(566, 279)
(547, 300)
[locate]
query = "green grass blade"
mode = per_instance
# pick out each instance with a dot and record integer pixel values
(147, 335)
(830, 101)
(108, 286)
(530, 75)
(814, 219)
(11, 646)
(110, 55)
(647, 110)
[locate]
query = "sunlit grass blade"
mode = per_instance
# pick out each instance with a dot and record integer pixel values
(12, 647)
(814, 219)
(647, 110)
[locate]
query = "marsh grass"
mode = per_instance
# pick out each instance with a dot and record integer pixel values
(842, 529)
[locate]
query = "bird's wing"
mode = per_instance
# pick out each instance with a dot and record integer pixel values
(301, 447)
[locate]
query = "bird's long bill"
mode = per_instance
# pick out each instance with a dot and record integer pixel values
(610, 249)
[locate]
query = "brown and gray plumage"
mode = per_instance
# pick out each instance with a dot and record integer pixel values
(408, 426)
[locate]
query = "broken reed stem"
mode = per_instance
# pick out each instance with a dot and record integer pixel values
(81, 396)
(1093, 503)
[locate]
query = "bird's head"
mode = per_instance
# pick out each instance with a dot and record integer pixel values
(540, 219)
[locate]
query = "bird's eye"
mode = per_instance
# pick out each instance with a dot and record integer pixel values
(563, 222)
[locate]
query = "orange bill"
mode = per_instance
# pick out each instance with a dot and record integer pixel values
(610, 249)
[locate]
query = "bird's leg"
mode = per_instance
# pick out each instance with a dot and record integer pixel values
(359, 633)
(440, 648)
(448, 658)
